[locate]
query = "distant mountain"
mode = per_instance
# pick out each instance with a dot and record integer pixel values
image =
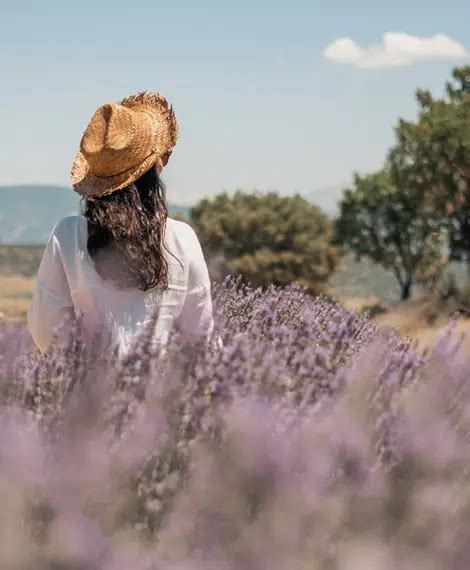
(28, 213)
(327, 198)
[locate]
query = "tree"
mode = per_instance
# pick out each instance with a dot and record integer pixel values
(268, 239)
(433, 155)
(390, 226)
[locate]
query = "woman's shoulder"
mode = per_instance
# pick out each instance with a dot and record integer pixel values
(67, 223)
(67, 229)
(180, 229)
(180, 236)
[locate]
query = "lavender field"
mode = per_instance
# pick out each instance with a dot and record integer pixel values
(307, 438)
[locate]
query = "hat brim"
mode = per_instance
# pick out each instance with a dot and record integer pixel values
(89, 185)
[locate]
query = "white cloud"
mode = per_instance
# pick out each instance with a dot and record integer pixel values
(396, 49)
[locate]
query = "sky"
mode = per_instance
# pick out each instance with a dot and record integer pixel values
(270, 95)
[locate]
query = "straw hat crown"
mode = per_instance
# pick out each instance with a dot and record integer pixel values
(121, 142)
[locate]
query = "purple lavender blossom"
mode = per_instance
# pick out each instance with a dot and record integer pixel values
(307, 439)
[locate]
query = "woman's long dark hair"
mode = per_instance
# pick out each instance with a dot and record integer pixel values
(126, 233)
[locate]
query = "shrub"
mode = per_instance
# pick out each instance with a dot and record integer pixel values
(464, 299)
(374, 310)
(267, 239)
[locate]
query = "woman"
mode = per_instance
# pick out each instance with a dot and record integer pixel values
(124, 260)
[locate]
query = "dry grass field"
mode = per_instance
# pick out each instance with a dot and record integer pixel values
(15, 295)
(18, 265)
(411, 318)
(20, 259)
(408, 318)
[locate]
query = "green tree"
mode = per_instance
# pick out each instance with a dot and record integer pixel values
(390, 226)
(267, 239)
(433, 155)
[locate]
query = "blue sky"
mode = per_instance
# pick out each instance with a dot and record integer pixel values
(259, 105)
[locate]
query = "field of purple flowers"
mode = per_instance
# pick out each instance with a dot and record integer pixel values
(307, 440)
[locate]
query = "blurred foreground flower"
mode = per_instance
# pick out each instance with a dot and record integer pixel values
(308, 440)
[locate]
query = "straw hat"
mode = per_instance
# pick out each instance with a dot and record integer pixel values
(121, 142)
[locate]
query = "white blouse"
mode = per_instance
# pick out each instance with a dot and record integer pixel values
(68, 284)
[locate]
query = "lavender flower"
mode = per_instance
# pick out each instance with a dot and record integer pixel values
(308, 439)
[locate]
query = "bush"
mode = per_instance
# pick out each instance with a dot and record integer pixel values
(267, 239)
(464, 299)
(310, 439)
(374, 310)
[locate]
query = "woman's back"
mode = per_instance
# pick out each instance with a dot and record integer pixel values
(123, 261)
(68, 284)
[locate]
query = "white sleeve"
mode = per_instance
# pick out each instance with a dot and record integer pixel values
(52, 302)
(196, 319)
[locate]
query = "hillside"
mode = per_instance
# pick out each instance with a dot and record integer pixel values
(327, 198)
(28, 213)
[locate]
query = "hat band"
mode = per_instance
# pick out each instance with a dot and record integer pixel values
(127, 169)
